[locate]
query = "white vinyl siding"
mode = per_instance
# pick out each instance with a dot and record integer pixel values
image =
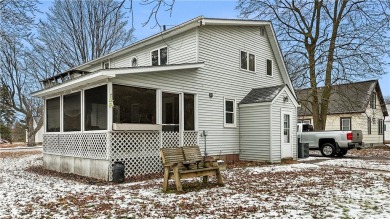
(255, 133)
(181, 49)
(223, 78)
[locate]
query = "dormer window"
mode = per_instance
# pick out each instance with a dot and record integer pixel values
(106, 65)
(248, 61)
(159, 56)
(134, 62)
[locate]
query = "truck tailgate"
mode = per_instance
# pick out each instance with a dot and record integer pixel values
(357, 136)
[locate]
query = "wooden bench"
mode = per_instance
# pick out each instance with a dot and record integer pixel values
(187, 162)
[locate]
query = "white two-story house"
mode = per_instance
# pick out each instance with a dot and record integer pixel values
(217, 83)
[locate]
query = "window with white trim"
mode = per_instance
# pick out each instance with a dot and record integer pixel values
(369, 125)
(345, 123)
(269, 67)
(380, 126)
(247, 61)
(230, 112)
(134, 62)
(306, 121)
(106, 65)
(159, 56)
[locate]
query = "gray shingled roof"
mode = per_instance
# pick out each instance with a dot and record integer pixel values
(260, 95)
(345, 98)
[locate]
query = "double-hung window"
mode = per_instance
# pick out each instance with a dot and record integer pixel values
(380, 126)
(230, 113)
(345, 124)
(269, 67)
(159, 56)
(248, 61)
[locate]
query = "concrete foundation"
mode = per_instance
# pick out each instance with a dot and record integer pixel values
(94, 168)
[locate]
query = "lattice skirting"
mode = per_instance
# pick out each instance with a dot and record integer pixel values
(138, 150)
(84, 145)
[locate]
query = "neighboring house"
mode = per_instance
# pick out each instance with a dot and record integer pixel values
(354, 106)
(39, 134)
(387, 128)
(217, 83)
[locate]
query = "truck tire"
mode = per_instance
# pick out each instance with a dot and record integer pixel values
(342, 152)
(328, 150)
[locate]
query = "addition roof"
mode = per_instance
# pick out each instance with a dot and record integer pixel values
(344, 98)
(261, 95)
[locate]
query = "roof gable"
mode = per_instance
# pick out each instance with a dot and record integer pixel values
(345, 98)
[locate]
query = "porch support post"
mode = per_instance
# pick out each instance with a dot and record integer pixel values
(159, 111)
(181, 119)
(110, 105)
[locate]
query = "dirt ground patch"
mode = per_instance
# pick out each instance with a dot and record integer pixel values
(17, 154)
(13, 145)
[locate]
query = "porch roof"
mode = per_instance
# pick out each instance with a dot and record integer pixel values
(111, 73)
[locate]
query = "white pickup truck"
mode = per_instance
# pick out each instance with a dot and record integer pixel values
(330, 143)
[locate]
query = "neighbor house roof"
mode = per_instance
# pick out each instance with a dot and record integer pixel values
(197, 22)
(344, 98)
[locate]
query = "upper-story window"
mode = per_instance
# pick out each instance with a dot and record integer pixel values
(373, 101)
(269, 67)
(248, 61)
(106, 65)
(159, 56)
(134, 62)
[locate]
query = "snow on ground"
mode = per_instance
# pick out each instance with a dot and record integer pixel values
(354, 163)
(281, 191)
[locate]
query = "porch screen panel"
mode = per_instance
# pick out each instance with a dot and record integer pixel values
(189, 112)
(134, 105)
(96, 108)
(170, 112)
(72, 112)
(53, 114)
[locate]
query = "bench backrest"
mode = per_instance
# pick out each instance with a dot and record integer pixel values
(192, 153)
(172, 155)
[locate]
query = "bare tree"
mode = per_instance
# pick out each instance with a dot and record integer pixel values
(18, 84)
(79, 31)
(387, 99)
(16, 22)
(332, 41)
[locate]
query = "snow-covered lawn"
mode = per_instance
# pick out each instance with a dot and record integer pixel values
(287, 191)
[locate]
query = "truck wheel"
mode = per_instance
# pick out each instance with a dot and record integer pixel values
(342, 152)
(328, 150)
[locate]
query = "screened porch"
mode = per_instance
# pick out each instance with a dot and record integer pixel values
(116, 122)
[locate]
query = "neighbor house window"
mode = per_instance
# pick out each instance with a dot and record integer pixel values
(72, 112)
(345, 124)
(248, 61)
(134, 105)
(369, 125)
(230, 112)
(373, 101)
(53, 114)
(269, 67)
(380, 126)
(306, 121)
(159, 56)
(95, 108)
(134, 62)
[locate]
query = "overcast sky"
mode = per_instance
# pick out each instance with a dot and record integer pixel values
(184, 10)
